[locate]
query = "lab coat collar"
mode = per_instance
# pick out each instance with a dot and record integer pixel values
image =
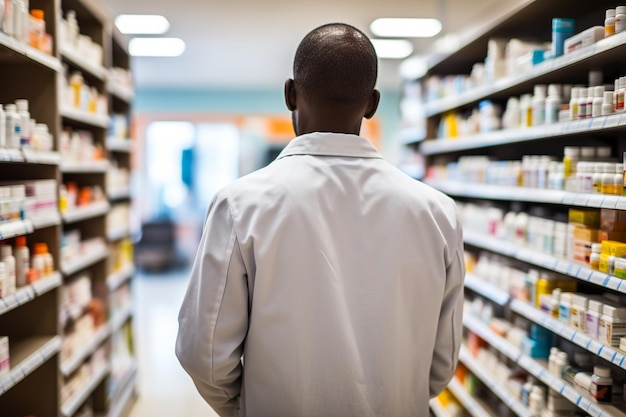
(330, 144)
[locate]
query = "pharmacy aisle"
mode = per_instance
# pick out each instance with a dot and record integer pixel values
(164, 387)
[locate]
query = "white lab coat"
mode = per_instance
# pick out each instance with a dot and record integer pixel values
(336, 277)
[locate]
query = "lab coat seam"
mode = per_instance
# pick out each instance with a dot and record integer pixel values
(231, 246)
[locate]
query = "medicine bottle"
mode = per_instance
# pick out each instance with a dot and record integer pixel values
(612, 325)
(553, 103)
(539, 105)
(537, 401)
(578, 311)
(565, 307)
(598, 171)
(608, 105)
(6, 256)
(592, 324)
(561, 362)
(526, 110)
(606, 185)
(22, 261)
(598, 101)
(609, 23)
(601, 384)
(573, 103)
(582, 103)
(620, 19)
(618, 178)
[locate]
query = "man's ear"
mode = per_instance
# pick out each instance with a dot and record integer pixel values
(372, 105)
(290, 94)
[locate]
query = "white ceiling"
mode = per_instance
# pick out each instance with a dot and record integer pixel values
(250, 43)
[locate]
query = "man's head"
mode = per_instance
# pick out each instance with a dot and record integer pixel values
(335, 70)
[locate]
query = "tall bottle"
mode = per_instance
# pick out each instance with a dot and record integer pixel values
(6, 256)
(12, 126)
(582, 103)
(573, 104)
(553, 103)
(22, 261)
(598, 101)
(539, 105)
(22, 112)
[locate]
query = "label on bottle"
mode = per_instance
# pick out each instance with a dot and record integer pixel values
(601, 393)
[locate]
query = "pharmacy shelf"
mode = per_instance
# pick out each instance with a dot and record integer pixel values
(15, 228)
(510, 136)
(120, 91)
(411, 135)
(70, 365)
(543, 260)
(85, 261)
(611, 354)
(121, 400)
(41, 157)
(608, 48)
(438, 409)
(34, 55)
(90, 211)
(490, 381)
(72, 405)
(26, 356)
(26, 294)
(531, 195)
(118, 233)
(72, 56)
(119, 145)
(85, 117)
(486, 289)
(539, 371)
(52, 218)
(89, 167)
(119, 194)
(117, 279)
(11, 155)
(119, 318)
(473, 406)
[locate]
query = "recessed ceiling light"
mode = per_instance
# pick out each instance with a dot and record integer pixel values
(405, 27)
(156, 47)
(142, 24)
(392, 48)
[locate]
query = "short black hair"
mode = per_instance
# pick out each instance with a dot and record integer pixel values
(335, 64)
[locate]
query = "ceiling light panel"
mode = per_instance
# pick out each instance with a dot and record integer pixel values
(392, 48)
(405, 27)
(142, 24)
(157, 47)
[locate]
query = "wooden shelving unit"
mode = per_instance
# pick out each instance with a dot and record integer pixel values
(37, 376)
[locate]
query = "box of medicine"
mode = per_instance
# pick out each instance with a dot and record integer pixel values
(615, 236)
(589, 218)
(583, 39)
(585, 234)
(4, 357)
(612, 220)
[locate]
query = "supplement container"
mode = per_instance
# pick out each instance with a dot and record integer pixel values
(601, 384)
(536, 400)
(565, 307)
(619, 269)
(609, 23)
(592, 323)
(612, 325)
(620, 19)
(561, 30)
(578, 312)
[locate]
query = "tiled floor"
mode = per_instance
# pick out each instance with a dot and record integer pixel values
(165, 390)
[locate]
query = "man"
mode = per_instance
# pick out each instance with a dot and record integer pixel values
(336, 277)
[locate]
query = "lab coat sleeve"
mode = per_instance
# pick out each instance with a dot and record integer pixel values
(213, 319)
(449, 329)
